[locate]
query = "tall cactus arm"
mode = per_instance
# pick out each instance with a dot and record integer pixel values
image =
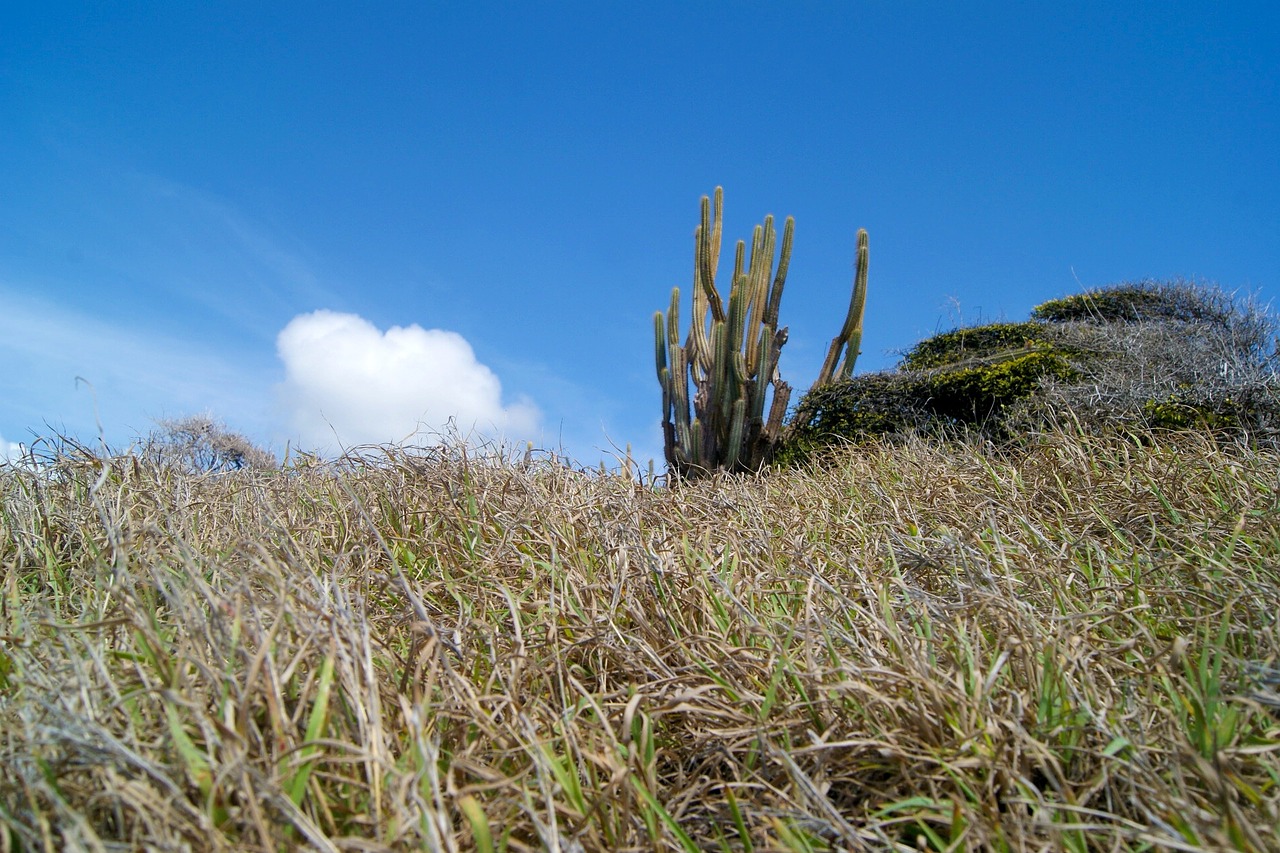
(739, 386)
(708, 242)
(699, 344)
(679, 372)
(664, 379)
(755, 289)
(780, 280)
(696, 457)
(762, 251)
(764, 373)
(673, 318)
(857, 306)
(660, 358)
(737, 432)
(851, 333)
(718, 395)
(717, 227)
(659, 343)
(738, 299)
(765, 297)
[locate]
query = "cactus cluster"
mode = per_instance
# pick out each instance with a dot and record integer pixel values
(715, 385)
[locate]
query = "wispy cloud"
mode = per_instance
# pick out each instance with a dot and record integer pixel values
(133, 374)
(236, 235)
(349, 382)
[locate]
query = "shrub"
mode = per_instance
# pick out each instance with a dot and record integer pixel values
(871, 406)
(1136, 356)
(201, 443)
(969, 397)
(1156, 373)
(978, 395)
(1249, 328)
(1137, 302)
(973, 342)
(1176, 413)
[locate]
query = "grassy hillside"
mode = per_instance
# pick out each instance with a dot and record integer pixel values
(920, 645)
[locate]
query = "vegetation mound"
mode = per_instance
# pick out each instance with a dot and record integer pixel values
(1133, 357)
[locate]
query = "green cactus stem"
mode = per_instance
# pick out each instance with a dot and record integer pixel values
(850, 337)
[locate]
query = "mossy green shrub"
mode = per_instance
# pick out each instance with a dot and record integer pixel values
(865, 408)
(978, 395)
(1249, 413)
(973, 342)
(1209, 364)
(1175, 413)
(970, 396)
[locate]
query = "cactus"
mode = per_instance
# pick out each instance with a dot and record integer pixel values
(730, 356)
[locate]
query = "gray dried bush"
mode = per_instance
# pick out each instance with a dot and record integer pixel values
(1198, 359)
(202, 443)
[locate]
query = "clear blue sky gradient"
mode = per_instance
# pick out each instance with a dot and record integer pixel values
(179, 181)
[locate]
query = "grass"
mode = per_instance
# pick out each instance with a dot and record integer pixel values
(919, 646)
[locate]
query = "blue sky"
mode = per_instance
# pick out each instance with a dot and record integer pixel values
(332, 223)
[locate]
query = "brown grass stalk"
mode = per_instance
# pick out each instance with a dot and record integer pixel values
(919, 644)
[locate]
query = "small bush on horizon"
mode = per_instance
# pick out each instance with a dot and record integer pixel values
(202, 443)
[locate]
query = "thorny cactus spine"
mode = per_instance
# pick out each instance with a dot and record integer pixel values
(731, 357)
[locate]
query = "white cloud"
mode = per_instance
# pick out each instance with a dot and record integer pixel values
(10, 451)
(344, 376)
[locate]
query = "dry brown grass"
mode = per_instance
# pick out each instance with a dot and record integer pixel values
(921, 645)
